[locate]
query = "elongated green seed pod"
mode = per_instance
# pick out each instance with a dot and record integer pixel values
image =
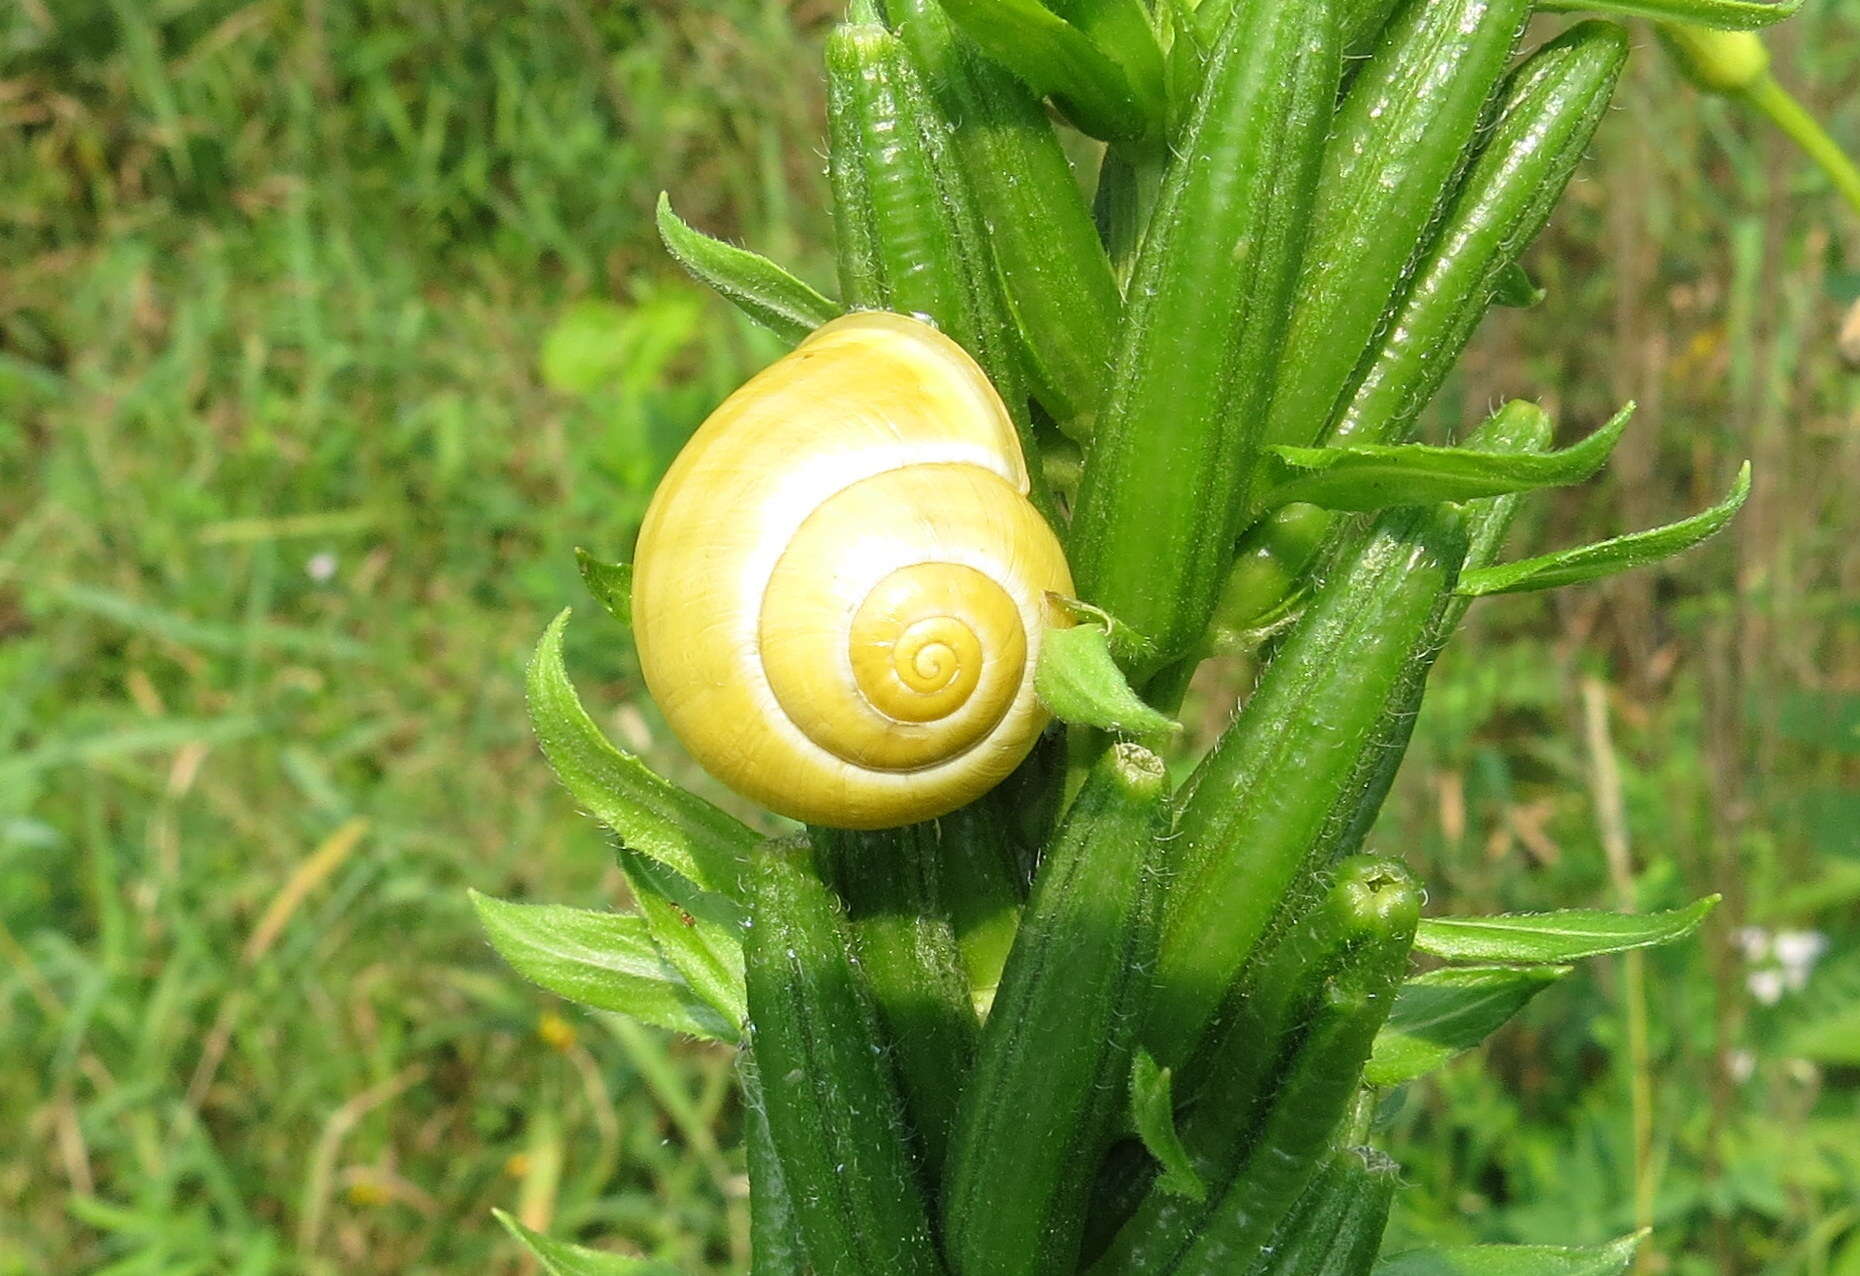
(1053, 269)
(910, 238)
(1336, 1229)
(1365, 917)
(1164, 474)
(832, 1107)
(979, 880)
(890, 881)
(775, 1247)
(1049, 1078)
(1399, 139)
(1552, 105)
(1256, 808)
(1302, 1117)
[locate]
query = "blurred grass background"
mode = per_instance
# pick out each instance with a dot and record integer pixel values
(328, 329)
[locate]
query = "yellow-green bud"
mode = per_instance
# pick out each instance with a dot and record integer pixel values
(1716, 61)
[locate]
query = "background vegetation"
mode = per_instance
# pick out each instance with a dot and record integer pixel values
(327, 330)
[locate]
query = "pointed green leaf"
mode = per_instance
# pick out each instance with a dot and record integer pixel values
(1377, 476)
(761, 289)
(604, 960)
(1078, 680)
(1441, 1013)
(1569, 935)
(1152, 1109)
(610, 583)
(1515, 288)
(1605, 558)
(1515, 1260)
(679, 829)
(1058, 60)
(559, 1258)
(699, 932)
(1727, 15)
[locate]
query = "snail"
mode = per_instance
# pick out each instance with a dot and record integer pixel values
(840, 585)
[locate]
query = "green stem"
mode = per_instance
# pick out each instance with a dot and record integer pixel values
(1787, 113)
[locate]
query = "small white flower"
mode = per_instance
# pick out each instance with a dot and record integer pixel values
(1765, 985)
(321, 567)
(1740, 1064)
(1754, 940)
(1797, 951)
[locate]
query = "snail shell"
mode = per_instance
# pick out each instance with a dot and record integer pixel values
(840, 585)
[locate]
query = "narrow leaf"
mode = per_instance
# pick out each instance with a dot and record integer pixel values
(1152, 1109)
(1377, 476)
(1515, 1260)
(698, 932)
(1726, 15)
(610, 583)
(679, 829)
(1569, 935)
(1078, 680)
(1515, 288)
(1058, 60)
(761, 289)
(1605, 558)
(603, 960)
(1441, 1013)
(559, 1258)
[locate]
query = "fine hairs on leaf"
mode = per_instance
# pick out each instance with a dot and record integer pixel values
(559, 1258)
(761, 289)
(1371, 477)
(1605, 558)
(1567, 935)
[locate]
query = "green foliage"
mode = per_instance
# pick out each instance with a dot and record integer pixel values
(1441, 1013)
(1565, 935)
(288, 496)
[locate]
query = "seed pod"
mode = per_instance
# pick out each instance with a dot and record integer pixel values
(910, 236)
(1364, 919)
(1256, 811)
(1336, 1229)
(832, 1107)
(1053, 270)
(908, 951)
(1399, 139)
(1552, 105)
(1166, 468)
(1055, 1053)
(1301, 1119)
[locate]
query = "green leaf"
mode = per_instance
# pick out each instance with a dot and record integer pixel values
(1605, 558)
(1515, 1260)
(1152, 1109)
(604, 960)
(761, 289)
(1517, 289)
(1441, 1013)
(1078, 680)
(699, 932)
(559, 1258)
(1727, 15)
(610, 583)
(679, 829)
(1377, 476)
(1569, 935)
(1058, 60)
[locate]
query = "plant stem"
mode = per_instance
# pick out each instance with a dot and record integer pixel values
(1611, 819)
(1787, 113)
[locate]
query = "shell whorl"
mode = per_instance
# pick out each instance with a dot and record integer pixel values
(840, 584)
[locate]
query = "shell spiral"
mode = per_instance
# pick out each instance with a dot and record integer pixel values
(840, 584)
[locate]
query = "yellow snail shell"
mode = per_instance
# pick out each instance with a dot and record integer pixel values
(840, 585)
